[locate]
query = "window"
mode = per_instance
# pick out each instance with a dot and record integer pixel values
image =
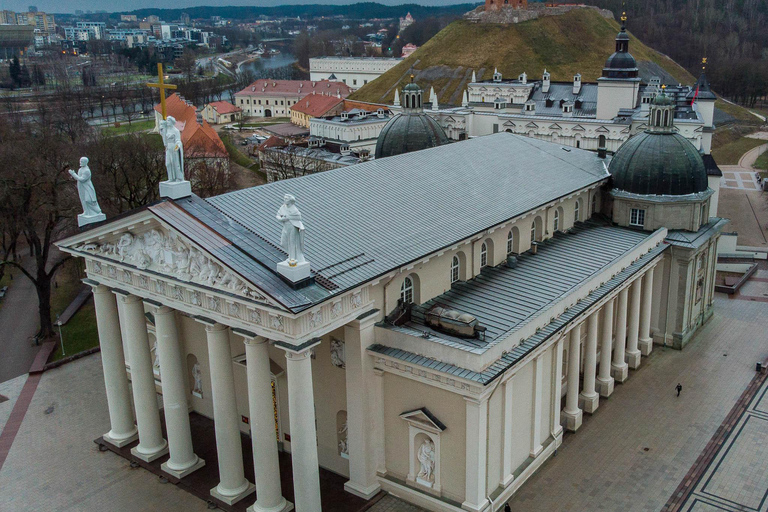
(455, 269)
(365, 82)
(594, 203)
(576, 213)
(495, 128)
(510, 242)
(556, 221)
(406, 291)
(637, 217)
(533, 232)
(354, 81)
(484, 255)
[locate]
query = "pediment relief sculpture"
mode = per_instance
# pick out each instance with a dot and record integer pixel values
(168, 253)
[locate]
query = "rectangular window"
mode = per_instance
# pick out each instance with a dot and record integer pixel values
(637, 217)
(354, 81)
(495, 128)
(365, 82)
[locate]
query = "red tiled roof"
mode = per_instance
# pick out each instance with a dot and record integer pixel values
(199, 140)
(266, 87)
(224, 107)
(272, 142)
(362, 105)
(316, 105)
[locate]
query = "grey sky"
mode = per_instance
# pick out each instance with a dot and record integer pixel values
(70, 6)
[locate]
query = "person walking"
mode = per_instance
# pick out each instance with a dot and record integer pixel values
(507, 508)
(679, 388)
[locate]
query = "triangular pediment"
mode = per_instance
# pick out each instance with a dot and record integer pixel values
(424, 419)
(625, 130)
(531, 125)
(555, 126)
(510, 124)
(578, 128)
(602, 129)
(145, 243)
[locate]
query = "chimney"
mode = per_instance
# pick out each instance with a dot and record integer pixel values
(577, 83)
(523, 78)
(545, 82)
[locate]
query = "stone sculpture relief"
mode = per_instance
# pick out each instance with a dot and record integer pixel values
(197, 375)
(356, 300)
(336, 309)
(156, 364)
(343, 445)
(276, 322)
(169, 254)
(338, 356)
(426, 457)
(316, 319)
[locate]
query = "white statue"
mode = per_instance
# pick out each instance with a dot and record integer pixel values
(292, 238)
(174, 149)
(85, 189)
(156, 364)
(343, 445)
(426, 457)
(337, 353)
(198, 376)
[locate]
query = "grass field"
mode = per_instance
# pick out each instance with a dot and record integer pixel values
(80, 332)
(762, 162)
(135, 126)
(234, 153)
(730, 153)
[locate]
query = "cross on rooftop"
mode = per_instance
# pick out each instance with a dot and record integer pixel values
(162, 86)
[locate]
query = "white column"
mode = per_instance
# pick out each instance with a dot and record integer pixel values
(377, 408)
(589, 398)
(536, 446)
(122, 429)
(557, 391)
(183, 460)
(233, 486)
(269, 493)
(301, 410)
(619, 368)
(507, 468)
(151, 443)
(604, 379)
(645, 341)
(476, 454)
(633, 326)
(361, 427)
(572, 413)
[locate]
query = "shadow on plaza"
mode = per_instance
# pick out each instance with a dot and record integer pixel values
(200, 483)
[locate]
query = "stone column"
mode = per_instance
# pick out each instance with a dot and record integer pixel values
(377, 408)
(506, 474)
(301, 410)
(122, 429)
(589, 399)
(604, 379)
(633, 326)
(536, 446)
(269, 493)
(557, 391)
(572, 413)
(183, 460)
(476, 454)
(233, 486)
(645, 341)
(619, 368)
(361, 425)
(151, 443)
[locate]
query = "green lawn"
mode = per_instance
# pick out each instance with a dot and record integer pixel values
(80, 332)
(135, 126)
(760, 163)
(238, 157)
(274, 120)
(730, 153)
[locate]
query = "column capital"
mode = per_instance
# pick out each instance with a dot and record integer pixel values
(210, 325)
(252, 341)
(298, 351)
(164, 310)
(97, 288)
(125, 297)
(476, 401)
(365, 320)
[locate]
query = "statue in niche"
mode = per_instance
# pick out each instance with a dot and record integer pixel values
(292, 237)
(343, 445)
(174, 149)
(197, 375)
(156, 364)
(85, 189)
(337, 353)
(426, 456)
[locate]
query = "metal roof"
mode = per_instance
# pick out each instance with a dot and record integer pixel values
(509, 359)
(559, 91)
(367, 219)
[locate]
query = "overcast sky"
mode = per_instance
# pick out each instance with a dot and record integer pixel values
(70, 6)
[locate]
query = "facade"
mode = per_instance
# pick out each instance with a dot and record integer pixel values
(281, 160)
(358, 126)
(595, 116)
(408, 50)
(355, 72)
(274, 98)
(314, 105)
(220, 112)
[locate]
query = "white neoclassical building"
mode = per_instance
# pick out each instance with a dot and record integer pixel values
(465, 305)
(355, 72)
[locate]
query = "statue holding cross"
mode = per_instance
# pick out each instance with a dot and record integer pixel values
(175, 187)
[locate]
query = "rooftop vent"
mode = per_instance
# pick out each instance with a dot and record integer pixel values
(454, 322)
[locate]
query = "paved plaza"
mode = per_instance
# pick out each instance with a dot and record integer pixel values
(629, 456)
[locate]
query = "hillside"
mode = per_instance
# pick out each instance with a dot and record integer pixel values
(575, 42)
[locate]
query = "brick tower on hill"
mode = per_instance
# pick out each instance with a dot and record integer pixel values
(495, 5)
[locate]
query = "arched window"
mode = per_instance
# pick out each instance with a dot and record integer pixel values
(510, 242)
(483, 255)
(556, 221)
(601, 141)
(406, 290)
(533, 232)
(576, 213)
(455, 269)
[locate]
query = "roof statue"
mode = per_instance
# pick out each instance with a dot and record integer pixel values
(474, 76)
(176, 186)
(295, 267)
(86, 191)
(464, 99)
(397, 98)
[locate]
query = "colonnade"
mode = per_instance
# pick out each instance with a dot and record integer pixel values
(630, 312)
(233, 486)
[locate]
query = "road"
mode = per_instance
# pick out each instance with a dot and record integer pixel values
(18, 324)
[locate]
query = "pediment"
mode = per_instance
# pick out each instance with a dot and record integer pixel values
(531, 125)
(555, 126)
(625, 130)
(424, 419)
(602, 129)
(578, 128)
(510, 124)
(148, 244)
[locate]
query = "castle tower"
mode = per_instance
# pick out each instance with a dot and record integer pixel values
(620, 84)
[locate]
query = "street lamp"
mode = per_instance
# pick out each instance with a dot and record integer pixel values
(61, 337)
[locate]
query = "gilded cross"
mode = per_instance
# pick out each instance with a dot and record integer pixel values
(704, 63)
(162, 86)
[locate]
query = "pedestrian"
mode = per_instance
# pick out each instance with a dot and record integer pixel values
(679, 388)
(507, 508)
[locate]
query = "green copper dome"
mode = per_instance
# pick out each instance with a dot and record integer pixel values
(409, 131)
(658, 163)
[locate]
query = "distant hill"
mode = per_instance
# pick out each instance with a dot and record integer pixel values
(576, 42)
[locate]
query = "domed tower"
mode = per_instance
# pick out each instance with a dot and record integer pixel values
(619, 84)
(658, 176)
(412, 129)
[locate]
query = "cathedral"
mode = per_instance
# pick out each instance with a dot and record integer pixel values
(427, 323)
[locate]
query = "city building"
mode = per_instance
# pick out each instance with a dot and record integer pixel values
(221, 112)
(358, 125)
(408, 50)
(406, 22)
(355, 72)
(282, 160)
(314, 105)
(274, 98)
